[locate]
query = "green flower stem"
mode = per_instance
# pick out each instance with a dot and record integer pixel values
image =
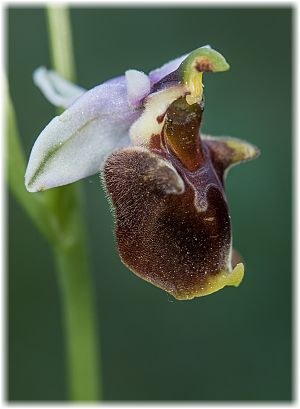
(70, 249)
(60, 35)
(79, 317)
(79, 324)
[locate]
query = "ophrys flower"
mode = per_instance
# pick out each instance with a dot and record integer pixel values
(164, 179)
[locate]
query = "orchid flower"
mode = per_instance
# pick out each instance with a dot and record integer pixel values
(165, 181)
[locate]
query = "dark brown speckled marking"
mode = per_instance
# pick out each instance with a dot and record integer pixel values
(203, 66)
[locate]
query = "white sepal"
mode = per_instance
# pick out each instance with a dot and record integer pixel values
(57, 90)
(75, 144)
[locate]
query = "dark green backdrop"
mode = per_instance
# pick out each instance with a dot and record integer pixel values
(233, 345)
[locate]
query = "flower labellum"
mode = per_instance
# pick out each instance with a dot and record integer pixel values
(165, 180)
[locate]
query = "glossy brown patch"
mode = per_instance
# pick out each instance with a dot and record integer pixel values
(181, 133)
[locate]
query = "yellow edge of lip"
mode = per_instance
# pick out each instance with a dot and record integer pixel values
(222, 280)
(217, 282)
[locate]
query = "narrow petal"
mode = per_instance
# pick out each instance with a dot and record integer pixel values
(56, 89)
(74, 144)
(138, 86)
(226, 152)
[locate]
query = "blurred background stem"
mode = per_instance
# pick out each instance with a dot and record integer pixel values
(71, 249)
(57, 214)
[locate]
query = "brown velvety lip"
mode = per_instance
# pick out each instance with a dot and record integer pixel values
(172, 220)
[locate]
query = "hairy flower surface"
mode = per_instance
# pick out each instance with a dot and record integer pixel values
(165, 180)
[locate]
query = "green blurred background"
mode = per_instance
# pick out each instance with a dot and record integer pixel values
(233, 345)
